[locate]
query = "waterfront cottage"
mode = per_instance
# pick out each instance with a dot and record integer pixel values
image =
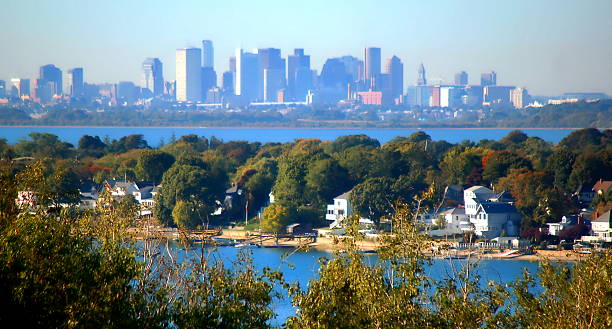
(489, 214)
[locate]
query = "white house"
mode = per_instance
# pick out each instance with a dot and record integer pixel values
(339, 210)
(143, 192)
(494, 217)
(454, 219)
(473, 196)
(602, 227)
(489, 214)
(566, 221)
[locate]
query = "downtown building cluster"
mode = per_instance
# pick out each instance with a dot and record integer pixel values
(263, 76)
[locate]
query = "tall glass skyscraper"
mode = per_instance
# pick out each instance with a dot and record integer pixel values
(153, 76)
(247, 75)
(395, 70)
(76, 85)
(208, 54)
(189, 75)
(51, 73)
(372, 66)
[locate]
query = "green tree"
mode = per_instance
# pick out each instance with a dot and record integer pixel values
(152, 164)
(374, 198)
(326, 179)
(188, 215)
(275, 217)
(44, 145)
(497, 164)
(345, 142)
(91, 146)
(188, 183)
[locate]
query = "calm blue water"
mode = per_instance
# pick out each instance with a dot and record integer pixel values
(306, 267)
(155, 135)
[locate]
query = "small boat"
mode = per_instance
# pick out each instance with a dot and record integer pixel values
(247, 245)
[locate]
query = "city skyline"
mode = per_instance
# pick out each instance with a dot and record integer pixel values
(549, 47)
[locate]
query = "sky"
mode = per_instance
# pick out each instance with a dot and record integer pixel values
(547, 46)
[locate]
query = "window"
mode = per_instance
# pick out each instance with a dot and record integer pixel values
(340, 211)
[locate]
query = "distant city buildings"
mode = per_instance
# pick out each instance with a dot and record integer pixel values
(264, 77)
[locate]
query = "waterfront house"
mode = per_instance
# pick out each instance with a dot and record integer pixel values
(566, 222)
(339, 210)
(453, 219)
(143, 192)
(493, 218)
(602, 227)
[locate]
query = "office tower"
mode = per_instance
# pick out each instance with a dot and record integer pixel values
(334, 81)
(20, 88)
(450, 96)
(434, 98)
(2, 89)
(495, 95)
(395, 71)
(372, 67)
(298, 74)
(51, 73)
(188, 75)
(488, 79)
(461, 78)
(227, 82)
(422, 79)
(208, 54)
(247, 75)
(353, 67)
(43, 91)
(473, 96)
(519, 97)
(76, 85)
(126, 92)
(153, 76)
(271, 73)
(209, 80)
(232, 64)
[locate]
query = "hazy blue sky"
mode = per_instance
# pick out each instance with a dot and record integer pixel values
(548, 46)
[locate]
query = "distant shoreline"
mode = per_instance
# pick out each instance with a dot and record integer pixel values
(293, 127)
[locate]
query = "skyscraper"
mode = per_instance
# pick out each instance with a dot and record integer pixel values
(298, 68)
(247, 75)
(51, 73)
(372, 66)
(188, 75)
(2, 89)
(208, 54)
(488, 79)
(272, 73)
(20, 88)
(153, 76)
(209, 80)
(519, 97)
(227, 82)
(76, 84)
(461, 78)
(395, 69)
(422, 79)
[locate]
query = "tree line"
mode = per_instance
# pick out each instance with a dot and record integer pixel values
(305, 175)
